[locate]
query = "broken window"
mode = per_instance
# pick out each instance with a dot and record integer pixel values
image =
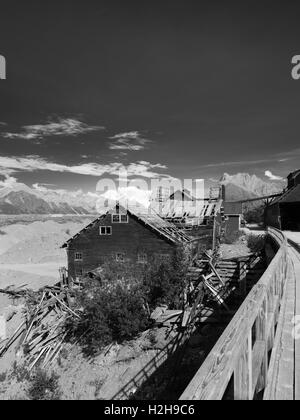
(119, 218)
(105, 230)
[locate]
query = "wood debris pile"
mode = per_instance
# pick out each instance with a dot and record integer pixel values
(42, 331)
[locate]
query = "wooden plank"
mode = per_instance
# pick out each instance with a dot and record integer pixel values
(241, 375)
(280, 383)
(211, 380)
(296, 324)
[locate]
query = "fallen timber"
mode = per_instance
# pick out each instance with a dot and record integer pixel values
(41, 334)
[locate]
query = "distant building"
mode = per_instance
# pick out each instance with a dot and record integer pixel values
(135, 235)
(284, 212)
(232, 212)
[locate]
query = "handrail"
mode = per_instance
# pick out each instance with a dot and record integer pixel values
(241, 353)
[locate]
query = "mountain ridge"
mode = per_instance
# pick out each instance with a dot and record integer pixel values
(243, 186)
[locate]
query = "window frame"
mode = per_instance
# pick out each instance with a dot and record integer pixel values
(106, 230)
(76, 256)
(116, 218)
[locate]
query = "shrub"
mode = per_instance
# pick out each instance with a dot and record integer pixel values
(44, 387)
(3, 376)
(164, 282)
(256, 243)
(232, 238)
(116, 306)
(115, 313)
(254, 214)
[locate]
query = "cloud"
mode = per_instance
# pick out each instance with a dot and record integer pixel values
(129, 194)
(9, 165)
(132, 140)
(61, 127)
(273, 177)
(8, 182)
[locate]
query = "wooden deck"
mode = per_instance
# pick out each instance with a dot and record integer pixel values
(284, 371)
(259, 352)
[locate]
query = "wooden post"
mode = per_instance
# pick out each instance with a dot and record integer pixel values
(261, 335)
(242, 278)
(243, 373)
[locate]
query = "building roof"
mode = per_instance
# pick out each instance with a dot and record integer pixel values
(289, 196)
(148, 218)
(294, 174)
(173, 209)
(182, 195)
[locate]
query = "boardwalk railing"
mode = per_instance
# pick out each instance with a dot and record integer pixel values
(240, 359)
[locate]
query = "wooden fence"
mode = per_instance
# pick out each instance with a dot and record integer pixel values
(240, 359)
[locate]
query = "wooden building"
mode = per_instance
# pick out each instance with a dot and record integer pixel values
(232, 219)
(284, 212)
(136, 235)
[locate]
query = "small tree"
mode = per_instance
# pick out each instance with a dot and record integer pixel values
(109, 313)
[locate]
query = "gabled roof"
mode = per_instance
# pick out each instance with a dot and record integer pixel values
(182, 195)
(148, 218)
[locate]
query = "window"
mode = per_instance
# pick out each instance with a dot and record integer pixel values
(119, 218)
(78, 256)
(142, 258)
(120, 257)
(105, 230)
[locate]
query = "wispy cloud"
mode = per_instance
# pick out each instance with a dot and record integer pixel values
(240, 163)
(273, 177)
(60, 127)
(10, 165)
(132, 140)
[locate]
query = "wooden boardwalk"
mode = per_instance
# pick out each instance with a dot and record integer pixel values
(258, 355)
(284, 371)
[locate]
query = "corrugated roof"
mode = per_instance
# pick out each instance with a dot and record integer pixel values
(149, 218)
(188, 209)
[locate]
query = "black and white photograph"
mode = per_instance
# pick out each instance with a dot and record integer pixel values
(149, 202)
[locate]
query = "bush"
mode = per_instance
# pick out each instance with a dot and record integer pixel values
(115, 313)
(164, 282)
(117, 305)
(254, 214)
(44, 387)
(256, 243)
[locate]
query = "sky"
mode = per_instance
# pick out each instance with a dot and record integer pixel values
(181, 88)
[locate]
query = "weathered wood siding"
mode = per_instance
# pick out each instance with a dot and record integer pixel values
(272, 216)
(129, 238)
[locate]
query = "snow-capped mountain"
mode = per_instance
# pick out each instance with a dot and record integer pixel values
(19, 198)
(243, 186)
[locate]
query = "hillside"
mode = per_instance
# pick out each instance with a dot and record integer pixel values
(243, 186)
(21, 199)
